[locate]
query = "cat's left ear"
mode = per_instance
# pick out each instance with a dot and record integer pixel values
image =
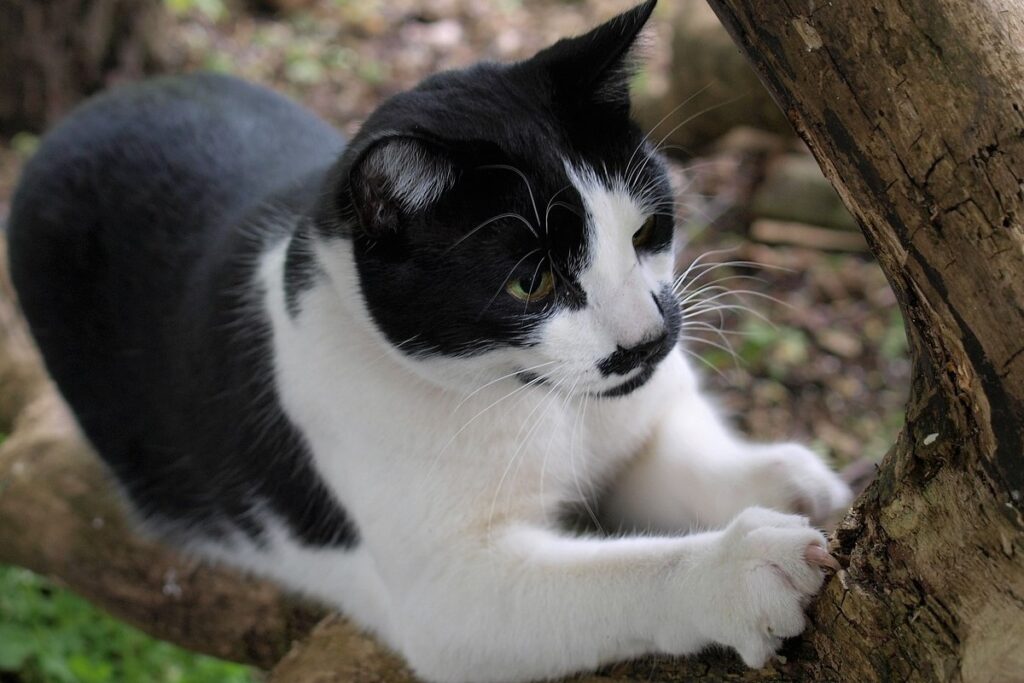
(395, 178)
(595, 68)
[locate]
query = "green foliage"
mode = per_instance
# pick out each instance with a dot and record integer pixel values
(304, 69)
(373, 71)
(779, 348)
(894, 343)
(762, 348)
(220, 62)
(24, 144)
(49, 635)
(214, 10)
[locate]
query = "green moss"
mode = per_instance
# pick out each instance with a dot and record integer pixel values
(49, 635)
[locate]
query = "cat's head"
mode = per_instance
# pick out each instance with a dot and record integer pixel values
(512, 220)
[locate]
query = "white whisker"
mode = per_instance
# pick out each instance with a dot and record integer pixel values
(682, 123)
(547, 209)
(581, 416)
(501, 287)
(495, 381)
(522, 175)
(488, 222)
(513, 458)
(664, 118)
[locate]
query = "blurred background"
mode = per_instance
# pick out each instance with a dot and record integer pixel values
(809, 345)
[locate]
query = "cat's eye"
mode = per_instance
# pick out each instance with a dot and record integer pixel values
(643, 236)
(532, 287)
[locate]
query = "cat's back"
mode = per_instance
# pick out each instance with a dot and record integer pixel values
(132, 249)
(132, 200)
(136, 184)
(165, 160)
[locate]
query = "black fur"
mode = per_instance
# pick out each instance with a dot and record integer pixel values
(300, 267)
(623, 361)
(136, 229)
(427, 289)
(133, 237)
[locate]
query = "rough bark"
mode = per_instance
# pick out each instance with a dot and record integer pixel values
(53, 53)
(915, 110)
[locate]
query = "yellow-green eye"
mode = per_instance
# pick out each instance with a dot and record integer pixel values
(533, 287)
(643, 236)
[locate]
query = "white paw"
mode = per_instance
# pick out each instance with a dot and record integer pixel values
(790, 477)
(758, 579)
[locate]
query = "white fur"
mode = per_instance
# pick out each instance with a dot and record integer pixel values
(414, 178)
(454, 478)
(618, 284)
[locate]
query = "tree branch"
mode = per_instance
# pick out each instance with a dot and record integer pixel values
(60, 516)
(913, 108)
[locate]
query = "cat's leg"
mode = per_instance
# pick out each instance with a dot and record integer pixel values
(531, 604)
(696, 473)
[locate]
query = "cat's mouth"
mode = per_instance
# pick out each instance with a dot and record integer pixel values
(631, 384)
(632, 381)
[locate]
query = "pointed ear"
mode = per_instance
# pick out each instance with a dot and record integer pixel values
(595, 68)
(393, 179)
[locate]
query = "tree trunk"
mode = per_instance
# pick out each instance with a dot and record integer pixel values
(54, 53)
(915, 110)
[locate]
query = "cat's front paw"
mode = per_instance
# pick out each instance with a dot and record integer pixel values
(790, 477)
(758, 579)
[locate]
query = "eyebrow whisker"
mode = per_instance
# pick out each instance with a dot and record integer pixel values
(529, 189)
(487, 222)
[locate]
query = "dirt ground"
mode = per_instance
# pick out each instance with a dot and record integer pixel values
(819, 356)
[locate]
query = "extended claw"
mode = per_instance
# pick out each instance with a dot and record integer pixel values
(820, 557)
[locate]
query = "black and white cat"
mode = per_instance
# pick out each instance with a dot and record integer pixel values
(379, 373)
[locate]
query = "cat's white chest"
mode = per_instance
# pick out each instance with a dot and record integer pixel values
(380, 436)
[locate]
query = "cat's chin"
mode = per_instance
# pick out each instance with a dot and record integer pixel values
(636, 379)
(632, 384)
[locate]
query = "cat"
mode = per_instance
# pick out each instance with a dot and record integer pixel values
(380, 371)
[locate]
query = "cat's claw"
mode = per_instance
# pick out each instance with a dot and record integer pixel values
(762, 573)
(817, 555)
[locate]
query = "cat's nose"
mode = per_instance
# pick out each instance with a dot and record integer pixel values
(624, 360)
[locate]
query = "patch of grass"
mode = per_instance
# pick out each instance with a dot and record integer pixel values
(25, 144)
(214, 10)
(49, 635)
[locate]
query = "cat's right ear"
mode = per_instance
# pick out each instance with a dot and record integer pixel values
(394, 179)
(594, 70)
